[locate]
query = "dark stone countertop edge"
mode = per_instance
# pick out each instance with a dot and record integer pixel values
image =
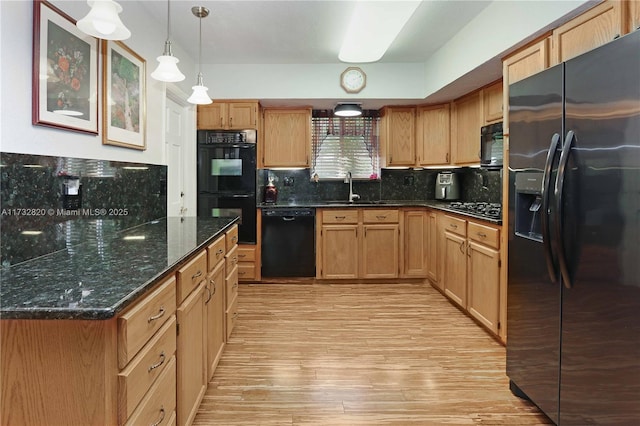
(107, 313)
(438, 205)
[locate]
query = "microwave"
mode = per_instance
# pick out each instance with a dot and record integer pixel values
(491, 146)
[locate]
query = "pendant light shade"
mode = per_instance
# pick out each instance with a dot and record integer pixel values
(347, 110)
(167, 69)
(103, 21)
(199, 95)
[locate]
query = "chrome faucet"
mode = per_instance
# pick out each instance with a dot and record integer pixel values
(352, 196)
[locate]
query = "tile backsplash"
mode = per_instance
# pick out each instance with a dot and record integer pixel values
(112, 194)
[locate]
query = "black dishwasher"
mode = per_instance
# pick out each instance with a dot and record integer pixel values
(288, 242)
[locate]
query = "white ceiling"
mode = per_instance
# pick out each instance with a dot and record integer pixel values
(301, 31)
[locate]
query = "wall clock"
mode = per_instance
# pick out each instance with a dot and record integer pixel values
(353, 80)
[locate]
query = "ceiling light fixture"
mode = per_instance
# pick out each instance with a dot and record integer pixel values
(373, 27)
(167, 63)
(199, 95)
(347, 110)
(103, 21)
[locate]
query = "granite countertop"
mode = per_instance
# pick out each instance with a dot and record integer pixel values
(98, 278)
(434, 204)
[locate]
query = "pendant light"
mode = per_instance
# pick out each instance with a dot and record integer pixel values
(199, 95)
(348, 110)
(167, 69)
(103, 21)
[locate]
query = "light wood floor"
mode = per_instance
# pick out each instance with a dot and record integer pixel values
(370, 354)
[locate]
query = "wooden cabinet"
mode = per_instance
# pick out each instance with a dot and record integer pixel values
(595, 27)
(633, 14)
(397, 135)
(358, 243)
(228, 115)
(248, 263)
(492, 103)
(191, 368)
(433, 135)
(231, 281)
(466, 121)
(483, 275)
(454, 274)
(416, 239)
(436, 234)
(287, 137)
(215, 304)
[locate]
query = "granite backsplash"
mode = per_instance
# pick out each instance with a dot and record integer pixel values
(32, 199)
(295, 186)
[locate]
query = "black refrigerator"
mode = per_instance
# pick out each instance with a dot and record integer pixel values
(573, 291)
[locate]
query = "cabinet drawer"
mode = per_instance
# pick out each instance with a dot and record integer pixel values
(232, 286)
(484, 234)
(232, 317)
(231, 237)
(340, 216)
(455, 225)
(231, 259)
(215, 252)
(137, 325)
(136, 379)
(380, 216)
(191, 275)
(246, 253)
(158, 406)
(246, 271)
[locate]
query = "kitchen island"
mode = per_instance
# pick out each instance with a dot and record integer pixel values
(113, 330)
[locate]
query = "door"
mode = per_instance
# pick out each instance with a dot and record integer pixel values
(174, 139)
(379, 254)
(483, 282)
(454, 275)
(338, 240)
(598, 194)
(533, 290)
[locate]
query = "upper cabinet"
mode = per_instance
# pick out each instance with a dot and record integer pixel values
(595, 27)
(397, 135)
(286, 140)
(433, 135)
(634, 15)
(228, 115)
(466, 121)
(492, 98)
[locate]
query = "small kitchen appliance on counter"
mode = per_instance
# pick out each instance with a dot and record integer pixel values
(447, 186)
(270, 192)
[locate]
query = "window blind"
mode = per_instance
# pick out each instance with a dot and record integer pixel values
(345, 144)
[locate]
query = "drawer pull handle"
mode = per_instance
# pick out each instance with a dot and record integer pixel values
(241, 272)
(242, 255)
(235, 315)
(453, 225)
(482, 235)
(234, 239)
(158, 364)
(380, 217)
(235, 285)
(219, 252)
(161, 417)
(159, 315)
(340, 217)
(196, 275)
(235, 259)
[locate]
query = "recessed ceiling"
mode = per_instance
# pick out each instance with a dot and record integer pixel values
(301, 32)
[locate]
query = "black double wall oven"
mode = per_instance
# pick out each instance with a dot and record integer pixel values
(227, 178)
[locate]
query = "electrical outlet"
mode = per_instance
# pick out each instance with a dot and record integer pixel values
(409, 180)
(288, 181)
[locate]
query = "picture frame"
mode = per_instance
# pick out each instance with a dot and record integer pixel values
(124, 96)
(65, 72)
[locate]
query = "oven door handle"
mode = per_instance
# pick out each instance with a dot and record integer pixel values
(241, 196)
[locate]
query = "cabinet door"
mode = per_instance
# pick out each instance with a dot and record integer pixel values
(213, 116)
(433, 135)
(595, 27)
(492, 98)
(484, 284)
(215, 304)
(191, 355)
(634, 15)
(454, 275)
(465, 126)
(416, 243)
(243, 115)
(432, 250)
(400, 136)
(339, 251)
(380, 244)
(287, 138)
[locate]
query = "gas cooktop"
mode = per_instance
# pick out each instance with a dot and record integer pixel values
(489, 210)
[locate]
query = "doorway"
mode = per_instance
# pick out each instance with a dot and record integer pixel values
(179, 130)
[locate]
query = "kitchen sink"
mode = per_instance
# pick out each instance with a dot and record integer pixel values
(357, 202)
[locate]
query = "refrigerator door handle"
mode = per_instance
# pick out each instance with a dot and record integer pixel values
(546, 190)
(559, 193)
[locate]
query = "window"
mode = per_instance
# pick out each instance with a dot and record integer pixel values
(342, 145)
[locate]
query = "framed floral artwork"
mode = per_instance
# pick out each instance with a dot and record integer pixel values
(124, 94)
(65, 72)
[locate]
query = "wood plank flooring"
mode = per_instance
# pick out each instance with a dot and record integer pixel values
(359, 354)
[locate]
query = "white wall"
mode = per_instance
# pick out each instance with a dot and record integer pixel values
(18, 135)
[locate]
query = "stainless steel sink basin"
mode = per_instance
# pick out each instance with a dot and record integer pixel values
(356, 203)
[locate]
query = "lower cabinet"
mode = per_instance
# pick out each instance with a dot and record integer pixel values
(454, 274)
(416, 251)
(358, 243)
(215, 316)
